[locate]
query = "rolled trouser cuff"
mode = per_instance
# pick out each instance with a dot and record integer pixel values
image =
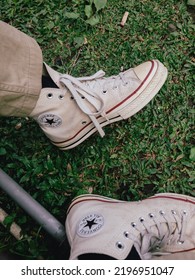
(21, 66)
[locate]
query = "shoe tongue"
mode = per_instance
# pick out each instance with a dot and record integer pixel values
(54, 75)
(133, 255)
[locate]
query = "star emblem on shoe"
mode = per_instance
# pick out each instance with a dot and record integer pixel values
(90, 225)
(50, 120)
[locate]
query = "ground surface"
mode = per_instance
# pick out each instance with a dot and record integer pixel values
(149, 153)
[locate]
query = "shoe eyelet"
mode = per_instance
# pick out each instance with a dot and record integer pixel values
(125, 84)
(83, 97)
(72, 97)
(151, 215)
(162, 212)
(126, 234)
(180, 242)
(61, 96)
(173, 212)
(184, 212)
(50, 95)
(84, 122)
(141, 219)
(104, 91)
(133, 224)
(120, 245)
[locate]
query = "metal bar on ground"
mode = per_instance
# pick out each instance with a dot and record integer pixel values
(32, 207)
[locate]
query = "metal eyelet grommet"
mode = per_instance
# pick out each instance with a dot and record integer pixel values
(184, 212)
(141, 219)
(83, 97)
(61, 97)
(180, 242)
(162, 212)
(151, 215)
(49, 95)
(173, 212)
(120, 245)
(133, 224)
(84, 122)
(126, 234)
(72, 97)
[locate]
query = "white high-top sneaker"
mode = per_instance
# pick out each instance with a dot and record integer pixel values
(80, 106)
(160, 227)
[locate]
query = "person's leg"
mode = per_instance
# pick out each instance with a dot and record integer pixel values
(69, 109)
(159, 227)
(20, 72)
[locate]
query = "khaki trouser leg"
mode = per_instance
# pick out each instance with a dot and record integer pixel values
(20, 72)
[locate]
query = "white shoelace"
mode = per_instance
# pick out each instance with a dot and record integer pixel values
(82, 92)
(148, 243)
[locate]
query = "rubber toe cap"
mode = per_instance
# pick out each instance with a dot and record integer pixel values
(143, 70)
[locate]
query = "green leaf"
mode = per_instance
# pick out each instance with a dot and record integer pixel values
(2, 151)
(192, 154)
(114, 156)
(79, 41)
(50, 25)
(191, 2)
(88, 11)
(8, 221)
(100, 4)
(71, 15)
(93, 20)
(175, 33)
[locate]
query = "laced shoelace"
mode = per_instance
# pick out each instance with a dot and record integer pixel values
(148, 243)
(82, 92)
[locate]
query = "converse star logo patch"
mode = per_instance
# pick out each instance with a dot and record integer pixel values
(50, 120)
(90, 225)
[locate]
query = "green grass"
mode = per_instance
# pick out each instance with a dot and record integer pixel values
(151, 152)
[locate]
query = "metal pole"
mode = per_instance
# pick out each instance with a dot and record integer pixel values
(32, 207)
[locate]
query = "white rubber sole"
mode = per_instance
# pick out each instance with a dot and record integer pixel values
(126, 109)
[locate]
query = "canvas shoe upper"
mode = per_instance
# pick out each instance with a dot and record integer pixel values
(80, 106)
(158, 227)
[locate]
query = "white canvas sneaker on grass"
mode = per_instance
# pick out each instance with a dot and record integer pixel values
(81, 106)
(160, 227)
